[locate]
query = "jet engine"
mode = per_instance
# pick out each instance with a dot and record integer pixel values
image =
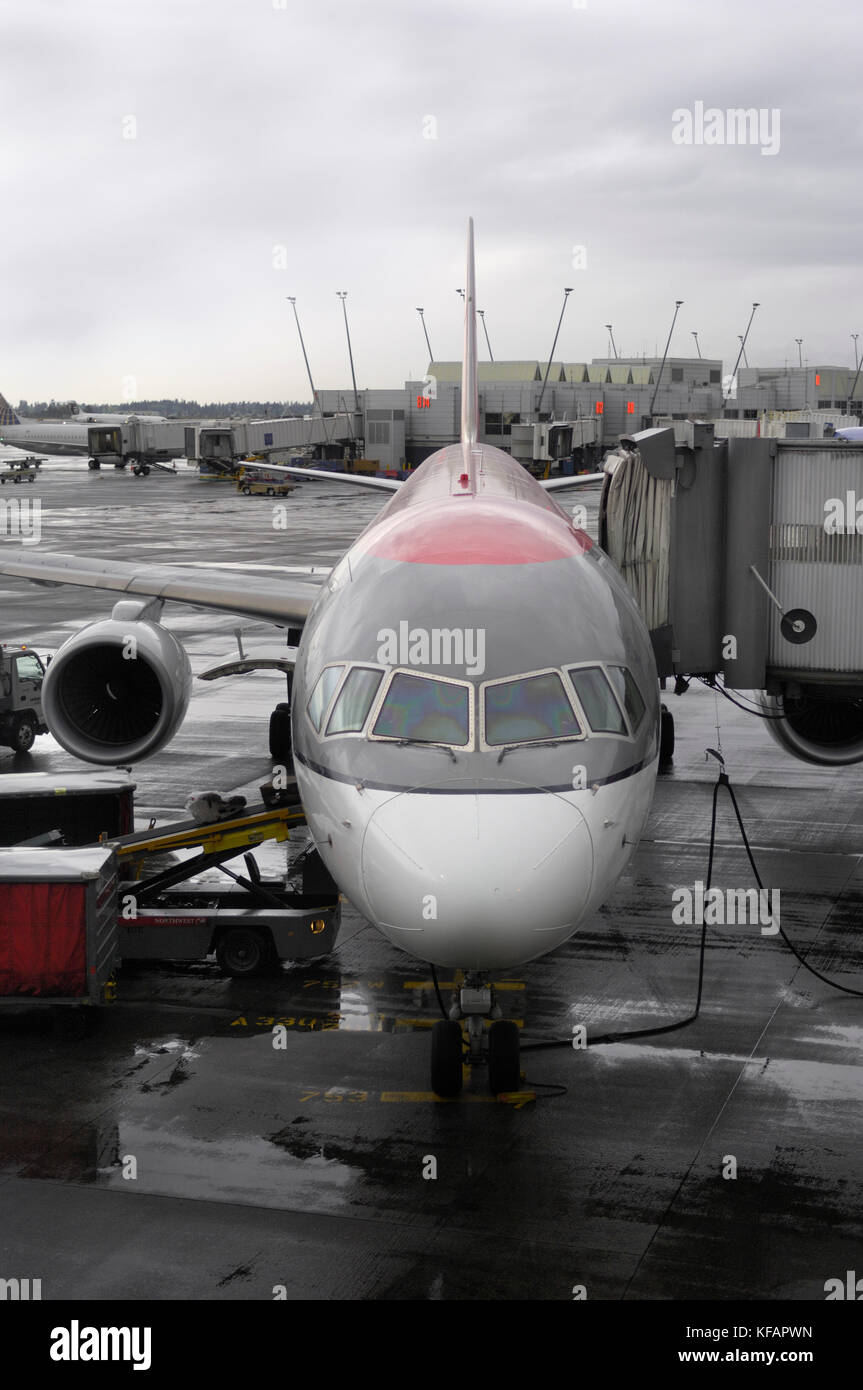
(118, 690)
(817, 724)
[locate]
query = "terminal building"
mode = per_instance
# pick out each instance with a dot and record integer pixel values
(617, 395)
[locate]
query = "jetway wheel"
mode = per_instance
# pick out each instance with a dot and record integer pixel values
(504, 1059)
(94, 464)
(666, 736)
(446, 1058)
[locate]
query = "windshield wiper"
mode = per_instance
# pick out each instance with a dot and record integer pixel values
(422, 743)
(534, 743)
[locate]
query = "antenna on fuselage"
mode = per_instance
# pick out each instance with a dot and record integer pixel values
(469, 394)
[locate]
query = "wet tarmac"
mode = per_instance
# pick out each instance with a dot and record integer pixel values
(178, 1154)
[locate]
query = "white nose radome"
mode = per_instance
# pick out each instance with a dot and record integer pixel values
(482, 880)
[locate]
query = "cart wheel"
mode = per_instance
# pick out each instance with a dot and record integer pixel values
(504, 1064)
(271, 492)
(146, 470)
(247, 491)
(241, 951)
(446, 1056)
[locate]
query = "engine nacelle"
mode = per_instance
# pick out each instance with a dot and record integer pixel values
(118, 690)
(817, 726)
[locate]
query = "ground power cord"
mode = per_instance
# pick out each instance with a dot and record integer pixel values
(723, 780)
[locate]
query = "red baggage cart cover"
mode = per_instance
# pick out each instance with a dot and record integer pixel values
(43, 920)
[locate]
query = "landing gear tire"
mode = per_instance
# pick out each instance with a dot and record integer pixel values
(666, 736)
(504, 1059)
(281, 748)
(24, 736)
(242, 952)
(446, 1058)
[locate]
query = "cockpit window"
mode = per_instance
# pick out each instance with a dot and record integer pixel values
(354, 701)
(628, 693)
(604, 714)
(528, 710)
(425, 709)
(323, 693)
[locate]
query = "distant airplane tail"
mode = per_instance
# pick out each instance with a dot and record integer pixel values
(7, 414)
(469, 396)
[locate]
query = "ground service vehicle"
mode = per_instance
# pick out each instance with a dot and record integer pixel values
(21, 677)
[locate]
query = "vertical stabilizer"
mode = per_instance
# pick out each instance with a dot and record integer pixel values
(469, 396)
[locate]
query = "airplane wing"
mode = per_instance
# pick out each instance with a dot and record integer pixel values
(571, 480)
(278, 601)
(324, 476)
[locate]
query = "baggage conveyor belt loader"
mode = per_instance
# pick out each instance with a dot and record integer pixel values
(250, 924)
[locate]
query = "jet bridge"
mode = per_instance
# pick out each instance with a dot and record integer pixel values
(746, 557)
(220, 446)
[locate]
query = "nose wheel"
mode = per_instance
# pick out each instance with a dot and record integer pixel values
(504, 1057)
(497, 1046)
(446, 1058)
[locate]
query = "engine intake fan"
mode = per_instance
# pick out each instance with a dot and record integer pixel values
(118, 690)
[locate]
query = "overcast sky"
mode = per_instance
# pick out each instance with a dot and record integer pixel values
(281, 148)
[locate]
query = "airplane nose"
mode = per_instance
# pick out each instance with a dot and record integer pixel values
(481, 880)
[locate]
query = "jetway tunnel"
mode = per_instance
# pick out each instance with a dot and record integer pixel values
(746, 557)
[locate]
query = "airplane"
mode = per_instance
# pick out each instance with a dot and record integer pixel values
(107, 418)
(475, 713)
(69, 438)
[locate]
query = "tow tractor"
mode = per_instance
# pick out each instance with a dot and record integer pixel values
(21, 677)
(250, 924)
(21, 470)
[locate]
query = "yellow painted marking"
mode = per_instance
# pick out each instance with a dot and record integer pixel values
(454, 984)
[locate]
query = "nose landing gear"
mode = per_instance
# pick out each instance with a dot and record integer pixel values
(498, 1046)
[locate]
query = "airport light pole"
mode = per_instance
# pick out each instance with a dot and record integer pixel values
(740, 353)
(611, 336)
(743, 349)
(481, 313)
(293, 302)
(855, 336)
(799, 342)
(567, 292)
(677, 304)
(425, 330)
(697, 344)
(342, 295)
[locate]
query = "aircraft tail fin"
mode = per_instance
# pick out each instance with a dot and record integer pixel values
(469, 394)
(7, 414)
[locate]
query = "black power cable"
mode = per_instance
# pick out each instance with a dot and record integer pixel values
(605, 1038)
